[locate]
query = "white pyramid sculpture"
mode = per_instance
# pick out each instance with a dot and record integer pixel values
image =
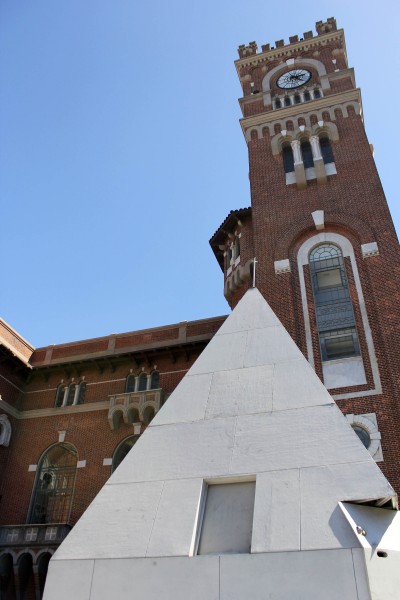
(250, 409)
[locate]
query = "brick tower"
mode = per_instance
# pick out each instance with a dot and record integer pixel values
(320, 228)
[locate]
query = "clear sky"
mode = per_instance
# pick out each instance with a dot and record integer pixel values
(121, 152)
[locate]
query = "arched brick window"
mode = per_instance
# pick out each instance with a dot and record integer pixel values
(54, 485)
(307, 154)
(142, 382)
(333, 305)
(155, 380)
(130, 384)
(122, 450)
(288, 159)
(326, 150)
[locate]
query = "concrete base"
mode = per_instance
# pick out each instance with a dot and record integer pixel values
(329, 574)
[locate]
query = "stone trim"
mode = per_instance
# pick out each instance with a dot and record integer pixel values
(370, 249)
(347, 250)
(52, 412)
(318, 218)
(282, 266)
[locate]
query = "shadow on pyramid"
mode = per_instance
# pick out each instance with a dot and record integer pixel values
(233, 490)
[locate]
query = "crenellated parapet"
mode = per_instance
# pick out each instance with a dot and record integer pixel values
(322, 28)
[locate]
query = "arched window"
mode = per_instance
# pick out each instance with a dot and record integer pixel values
(71, 394)
(142, 382)
(81, 393)
(59, 396)
(297, 99)
(54, 485)
(333, 305)
(307, 96)
(307, 155)
(130, 384)
(122, 450)
(317, 93)
(278, 104)
(155, 380)
(326, 150)
(287, 101)
(288, 160)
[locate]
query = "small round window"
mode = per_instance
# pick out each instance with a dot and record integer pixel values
(363, 435)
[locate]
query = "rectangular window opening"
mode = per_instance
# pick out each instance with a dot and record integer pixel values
(339, 344)
(227, 522)
(329, 279)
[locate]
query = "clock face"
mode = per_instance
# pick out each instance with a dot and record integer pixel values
(293, 79)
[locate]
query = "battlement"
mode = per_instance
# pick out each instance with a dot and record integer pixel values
(322, 27)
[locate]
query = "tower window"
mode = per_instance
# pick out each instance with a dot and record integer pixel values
(341, 343)
(297, 99)
(287, 101)
(288, 159)
(307, 155)
(307, 96)
(317, 93)
(333, 305)
(326, 150)
(278, 104)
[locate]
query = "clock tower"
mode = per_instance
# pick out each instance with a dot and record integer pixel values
(320, 228)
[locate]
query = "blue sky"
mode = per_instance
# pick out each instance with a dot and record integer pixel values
(121, 152)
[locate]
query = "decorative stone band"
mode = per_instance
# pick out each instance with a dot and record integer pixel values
(282, 266)
(370, 249)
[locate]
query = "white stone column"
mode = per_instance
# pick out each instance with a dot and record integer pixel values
(319, 165)
(300, 173)
(76, 395)
(296, 151)
(66, 391)
(315, 147)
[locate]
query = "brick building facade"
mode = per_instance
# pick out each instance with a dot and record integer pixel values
(327, 263)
